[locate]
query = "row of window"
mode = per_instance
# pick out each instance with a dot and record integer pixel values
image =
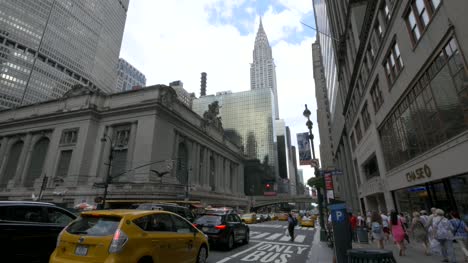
(418, 16)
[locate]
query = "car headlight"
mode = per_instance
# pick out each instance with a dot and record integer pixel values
(206, 236)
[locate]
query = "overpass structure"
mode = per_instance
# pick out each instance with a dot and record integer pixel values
(260, 200)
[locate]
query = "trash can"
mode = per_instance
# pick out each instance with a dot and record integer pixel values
(370, 256)
(362, 235)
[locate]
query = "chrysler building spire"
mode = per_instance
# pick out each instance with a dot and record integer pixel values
(262, 69)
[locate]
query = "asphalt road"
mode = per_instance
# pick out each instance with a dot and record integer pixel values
(268, 243)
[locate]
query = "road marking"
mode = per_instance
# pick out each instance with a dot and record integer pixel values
(265, 225)
(274, 236)
(299, 238)
(285, 226)
(261, 235)
(278, 243)
(285, 238)
(240, 253)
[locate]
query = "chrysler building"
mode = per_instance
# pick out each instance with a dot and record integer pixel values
(262, 69)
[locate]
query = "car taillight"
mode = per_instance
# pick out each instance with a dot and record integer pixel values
(118, 241)
(195, 225)
(220, 227)
(59, 237)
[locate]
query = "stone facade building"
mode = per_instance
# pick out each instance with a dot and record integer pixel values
(158, 145)
(402, 72)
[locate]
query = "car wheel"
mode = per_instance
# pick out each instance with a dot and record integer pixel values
(145, 260)
(202, 254)
(230, 242)
(247, 237)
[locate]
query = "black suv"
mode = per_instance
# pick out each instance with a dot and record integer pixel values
(29, 230)
(177, 209)
(223, 228)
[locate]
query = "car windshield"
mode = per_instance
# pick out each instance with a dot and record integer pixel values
(209, 220)
(94, 225)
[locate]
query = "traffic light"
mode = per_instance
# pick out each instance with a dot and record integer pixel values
(268, 186)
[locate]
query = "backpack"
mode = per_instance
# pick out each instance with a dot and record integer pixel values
(376, 228)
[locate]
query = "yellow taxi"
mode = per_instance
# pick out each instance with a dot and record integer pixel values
(283, 217)
(274, 216)
(249, 218)
(141, 236)
(307, 221)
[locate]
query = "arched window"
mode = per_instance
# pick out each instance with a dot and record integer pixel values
(182, 164)
(38, 157)
(212, 173)
(12, 163)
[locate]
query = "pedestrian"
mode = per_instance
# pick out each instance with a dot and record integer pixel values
(360, 220)
(442, 231)
(376, 228)
(353, 224)
(385, 224)
(398, 231)
(424, 217)
(292, 222)
(460, 233)
(419, 232)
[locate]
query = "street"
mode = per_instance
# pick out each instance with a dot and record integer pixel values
(269, 242)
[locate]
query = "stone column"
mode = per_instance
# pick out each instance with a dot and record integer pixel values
(3, 152)
(131, 149)
(196, 163)
(21, 170)
(206, 169)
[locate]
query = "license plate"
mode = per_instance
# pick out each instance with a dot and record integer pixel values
(81, 250)
(205, 229)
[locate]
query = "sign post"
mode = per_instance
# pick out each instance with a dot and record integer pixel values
(341, 231)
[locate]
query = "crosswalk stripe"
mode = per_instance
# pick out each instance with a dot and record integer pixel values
(274, 236)
(285, 238)
(285, 226)
(261, 235)
(299, 238)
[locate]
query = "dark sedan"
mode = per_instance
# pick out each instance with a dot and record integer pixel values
(223, 229)
(29, 230)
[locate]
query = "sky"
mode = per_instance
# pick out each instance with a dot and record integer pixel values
(179, 39)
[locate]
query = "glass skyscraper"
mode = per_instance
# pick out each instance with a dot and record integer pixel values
(129, 77)
(249, 115)
(49, 45)
(262, 69)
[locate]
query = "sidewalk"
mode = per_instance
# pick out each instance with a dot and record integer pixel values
(321, 253)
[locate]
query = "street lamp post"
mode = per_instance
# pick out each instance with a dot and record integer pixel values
(108, 176)
(306, 114)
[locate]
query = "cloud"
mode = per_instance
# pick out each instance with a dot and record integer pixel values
(179, 39)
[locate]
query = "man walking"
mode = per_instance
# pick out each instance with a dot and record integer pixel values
(292, 222)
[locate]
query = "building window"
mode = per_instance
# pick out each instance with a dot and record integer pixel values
(69, 136)
(120, 139)
(418, 16)
(353, 141)
(366, 119)
(371, 168)
(434, 110)
(12, 163)
(38, 156)
(376, 94)
(182, 164)
(357, 129)
(393, 64)
(64, 163)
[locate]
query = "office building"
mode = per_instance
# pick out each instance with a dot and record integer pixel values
(48, 46)
(405, 101)
(330, 26)
(263, 69)
(249, 116)
(129, 78)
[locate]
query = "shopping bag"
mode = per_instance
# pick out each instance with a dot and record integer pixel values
(435, 247)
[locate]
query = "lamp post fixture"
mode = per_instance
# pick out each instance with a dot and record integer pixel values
(108, 176)
(306, 114)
